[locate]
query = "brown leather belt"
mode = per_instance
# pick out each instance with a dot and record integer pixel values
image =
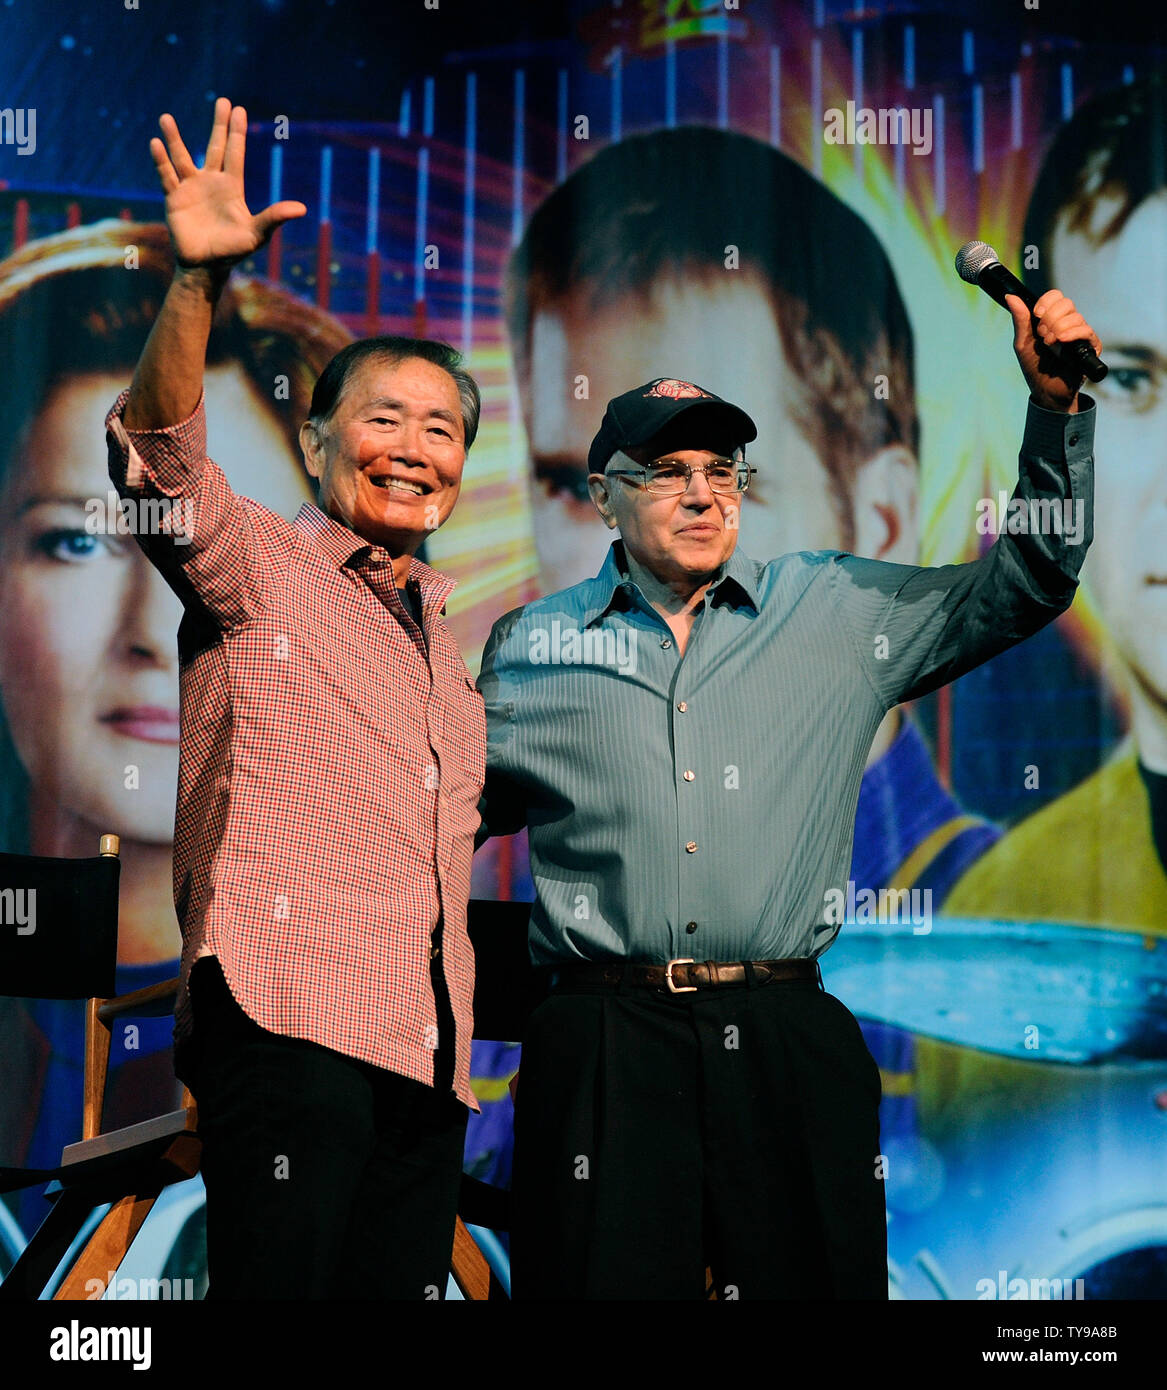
(683, 976)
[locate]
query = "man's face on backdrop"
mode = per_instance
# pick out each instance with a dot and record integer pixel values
(1126, 567)
(723, 334)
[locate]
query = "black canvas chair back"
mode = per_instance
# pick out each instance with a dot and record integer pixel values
(58, 926)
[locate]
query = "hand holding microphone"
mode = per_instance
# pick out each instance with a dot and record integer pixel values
(1054, 344)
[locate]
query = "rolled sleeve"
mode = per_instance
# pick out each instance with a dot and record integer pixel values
(198, 533)
(166, 462)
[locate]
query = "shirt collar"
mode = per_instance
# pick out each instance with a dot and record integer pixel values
(343, 546)
(738, 576)
(339, 543)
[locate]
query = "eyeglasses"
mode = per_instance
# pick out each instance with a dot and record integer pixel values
(670, 477)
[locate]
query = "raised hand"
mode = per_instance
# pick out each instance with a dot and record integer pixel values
(210, 224)
(1053, 380)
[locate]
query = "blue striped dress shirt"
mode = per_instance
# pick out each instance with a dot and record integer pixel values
(703, 805)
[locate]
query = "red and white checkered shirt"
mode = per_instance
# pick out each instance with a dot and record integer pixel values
(330, 769)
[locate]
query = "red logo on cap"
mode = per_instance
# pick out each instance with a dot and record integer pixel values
(676, 390)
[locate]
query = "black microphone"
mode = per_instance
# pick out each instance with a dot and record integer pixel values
(978, 263)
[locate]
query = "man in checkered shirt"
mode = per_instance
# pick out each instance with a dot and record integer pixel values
(332, 758)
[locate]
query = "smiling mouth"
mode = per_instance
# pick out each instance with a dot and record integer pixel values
(387, 483)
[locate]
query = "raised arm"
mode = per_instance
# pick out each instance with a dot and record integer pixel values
(915, 628)
(211, 230)
(190, 523)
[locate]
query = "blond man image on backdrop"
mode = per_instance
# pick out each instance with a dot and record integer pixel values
(1098, 218)
(1097, 855)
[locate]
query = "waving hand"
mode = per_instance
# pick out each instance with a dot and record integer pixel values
(208, 217)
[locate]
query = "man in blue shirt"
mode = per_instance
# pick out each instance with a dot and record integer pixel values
(611, 267)
(684, 737)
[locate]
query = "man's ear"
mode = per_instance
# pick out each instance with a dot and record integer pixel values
(312, 447)
(600, 487)
(885, 506)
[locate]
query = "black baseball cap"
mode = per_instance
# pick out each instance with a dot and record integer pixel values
(656, 408)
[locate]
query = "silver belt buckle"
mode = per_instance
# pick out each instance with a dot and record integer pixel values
(678, 989)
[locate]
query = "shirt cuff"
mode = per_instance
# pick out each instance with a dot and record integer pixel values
(1059, 436)
(169, 458)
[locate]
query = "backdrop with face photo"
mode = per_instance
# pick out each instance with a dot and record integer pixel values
(762, 199)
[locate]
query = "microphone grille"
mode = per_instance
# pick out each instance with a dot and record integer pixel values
(972, 258)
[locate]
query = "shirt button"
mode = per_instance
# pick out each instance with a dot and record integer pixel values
(690, 927)
(683, 706)
(435, 952)
(689, 774)
(691, 847)
(666, 642)
(1073, 439)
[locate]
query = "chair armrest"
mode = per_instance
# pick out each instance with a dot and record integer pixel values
(155, 1001)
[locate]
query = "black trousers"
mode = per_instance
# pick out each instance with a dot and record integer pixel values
(326, 1177)
(656, 1134)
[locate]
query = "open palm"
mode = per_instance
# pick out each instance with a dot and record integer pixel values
(206, 211)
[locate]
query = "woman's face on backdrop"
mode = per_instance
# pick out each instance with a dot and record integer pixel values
(88, 653)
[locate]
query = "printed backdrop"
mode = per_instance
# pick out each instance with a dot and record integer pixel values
(1019, 1027)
